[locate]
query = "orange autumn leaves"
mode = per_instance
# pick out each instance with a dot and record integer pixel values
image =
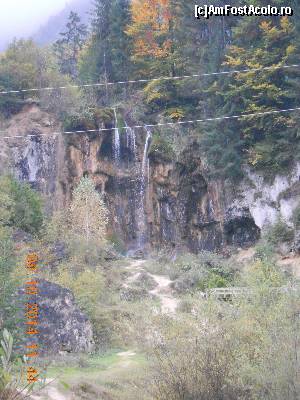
(150, 27)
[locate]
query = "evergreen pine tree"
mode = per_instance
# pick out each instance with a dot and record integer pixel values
(68, 47)
(266, 142)
(106, 54)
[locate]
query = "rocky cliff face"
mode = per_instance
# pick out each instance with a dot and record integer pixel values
(152, 201)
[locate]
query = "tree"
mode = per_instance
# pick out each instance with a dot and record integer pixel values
(25, 66)
(68, 47)
(20, 206)
(89, 215)
(264, 142)
(150, 27)
(106, 53)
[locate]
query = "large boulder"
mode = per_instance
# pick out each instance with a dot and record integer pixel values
(62, 325)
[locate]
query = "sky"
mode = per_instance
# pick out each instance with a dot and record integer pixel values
(24, 17)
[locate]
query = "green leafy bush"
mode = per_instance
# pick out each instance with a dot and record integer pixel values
(87, 117)
(296, 217)
(161, 148)
(117, 243)
(87, 287)
(28, 214)
(20, 206)
(246, 349)
(280, 232)
(7, 283)
(213, 280)
(190, 272)
(79, 122)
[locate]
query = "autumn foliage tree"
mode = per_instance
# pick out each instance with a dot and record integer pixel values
(150, 28)
(152, 31)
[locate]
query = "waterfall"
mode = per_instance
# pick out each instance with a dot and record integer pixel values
(140, 178)
(131, 141)
(116, 141)
(33, 162)
(144, 181)
(146, 161)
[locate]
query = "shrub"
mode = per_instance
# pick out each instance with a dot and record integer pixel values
(84, 117)
(117, 243)
(280, 232)
(87, 287)
(12, 372)
(77, 122)
(20, 206)
(262, 273)
(247, 349)
(56, 228)
(264, 250)
(175, 114)
(296, 217)
(213, 280)
(28, 214)
(91, 294)
(161, 148)
(201, 272)
(7, 282)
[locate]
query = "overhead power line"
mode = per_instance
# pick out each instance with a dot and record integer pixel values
(258, 114)
(162, 78)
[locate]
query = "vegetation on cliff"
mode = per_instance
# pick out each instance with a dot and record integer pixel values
(133, 40)
(238, 347)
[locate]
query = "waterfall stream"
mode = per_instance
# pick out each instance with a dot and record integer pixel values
(140, 169)
(144, 181)
(32, 161)
(116, 142)
(131, 142)
(146, 161)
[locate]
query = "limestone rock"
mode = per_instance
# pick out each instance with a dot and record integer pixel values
(181, 206)
(62, 326)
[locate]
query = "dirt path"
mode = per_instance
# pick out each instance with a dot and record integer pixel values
(163, 289)
(164, 292)
(168, 302)
(50, 392)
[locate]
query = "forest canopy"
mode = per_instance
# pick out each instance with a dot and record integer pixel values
(132, 40)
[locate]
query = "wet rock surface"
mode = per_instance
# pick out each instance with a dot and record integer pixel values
(153, 201)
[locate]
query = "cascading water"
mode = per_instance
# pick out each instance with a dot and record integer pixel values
(143, 184)
(131, 142)
(32, 160)
(146, 161)
(116, 142)
(138, 186)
